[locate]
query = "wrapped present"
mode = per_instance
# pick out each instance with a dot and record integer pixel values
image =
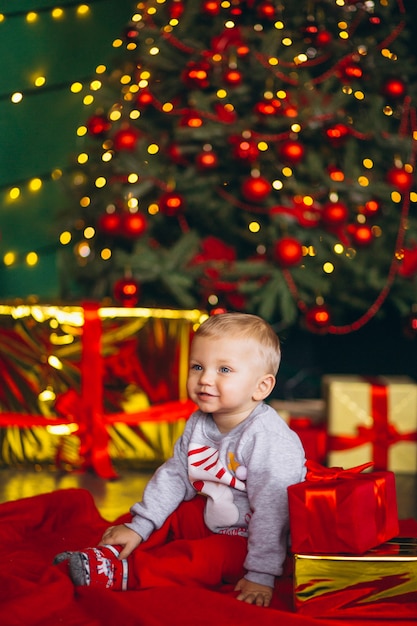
(381, 583)
(86, 386)
(342, 511)
(372, 419)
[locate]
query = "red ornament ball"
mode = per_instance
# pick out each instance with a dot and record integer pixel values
(335, 173)
(131, 33)
(196, 74)
(110, 223)
(192, 119)
(219, 310)
(232, 77)
(350, 70)
(288, 252)
(337, 134)
(323, 38)
(375, 20)
(246, 150)
(310, 29)
(211, 7)
(394, 88)
(176, 9)
(318, 319)
(127, 292)
(225, 113)
(361, 234)
(256, 189)
(290, 110)
(408, 266)
(126, 139)
(370, 208)
(144, 98)
(267, 107)
(334, 214)
(133, 224)
(266, 10)
(98, 125)
(171, 203)
(206, 160)
(292, 151)
(400, 178)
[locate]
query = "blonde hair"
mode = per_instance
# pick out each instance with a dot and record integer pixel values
(246, 326)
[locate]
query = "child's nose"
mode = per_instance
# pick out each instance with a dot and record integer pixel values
(206, 377)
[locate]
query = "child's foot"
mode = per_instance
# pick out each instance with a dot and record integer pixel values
(98, 567)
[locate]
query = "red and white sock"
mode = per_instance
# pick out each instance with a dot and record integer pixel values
(99, 567)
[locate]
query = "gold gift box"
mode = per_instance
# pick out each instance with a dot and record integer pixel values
(138, 361)
(382, 582)
(350, 417)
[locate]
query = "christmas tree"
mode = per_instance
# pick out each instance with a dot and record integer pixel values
(251, 155)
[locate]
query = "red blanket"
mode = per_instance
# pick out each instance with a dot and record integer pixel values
(34, 592)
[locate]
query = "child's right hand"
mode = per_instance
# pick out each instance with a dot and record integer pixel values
(121, 535)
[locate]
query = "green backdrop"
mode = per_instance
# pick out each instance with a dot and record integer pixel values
(38, 135)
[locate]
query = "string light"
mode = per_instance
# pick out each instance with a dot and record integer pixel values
(81, 10)
(9, 258)
(16, 97)
(32, 259)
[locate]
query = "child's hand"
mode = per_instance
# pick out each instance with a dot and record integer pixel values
(121, 536)
(254, 593)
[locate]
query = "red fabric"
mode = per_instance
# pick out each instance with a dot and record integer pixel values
(34, 592)
(328, 510)
(185, 552)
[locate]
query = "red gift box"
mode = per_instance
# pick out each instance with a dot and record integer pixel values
(342, 511)
(313, 437)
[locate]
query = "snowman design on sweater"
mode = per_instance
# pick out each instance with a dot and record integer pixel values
(210, 477)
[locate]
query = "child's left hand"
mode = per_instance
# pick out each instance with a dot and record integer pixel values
(254, 593)
(123, 536)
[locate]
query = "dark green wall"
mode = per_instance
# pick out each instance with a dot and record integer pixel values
(39, 134)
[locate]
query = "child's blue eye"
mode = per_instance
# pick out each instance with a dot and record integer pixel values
(225, 370)
(196, 367)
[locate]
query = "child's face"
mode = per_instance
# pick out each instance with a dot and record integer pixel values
(224, 376)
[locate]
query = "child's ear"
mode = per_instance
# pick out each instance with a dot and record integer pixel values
(264, 387)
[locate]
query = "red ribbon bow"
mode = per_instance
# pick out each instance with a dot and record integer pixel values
(317, 472)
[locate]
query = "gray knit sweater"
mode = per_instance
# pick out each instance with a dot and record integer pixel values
(244, 474)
